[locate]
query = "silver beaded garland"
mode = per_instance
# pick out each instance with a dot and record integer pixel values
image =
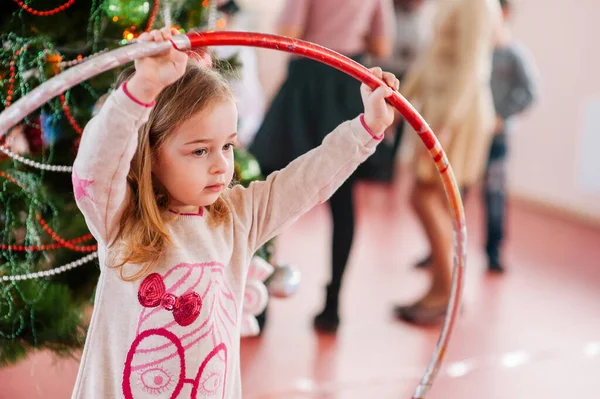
(51, 272)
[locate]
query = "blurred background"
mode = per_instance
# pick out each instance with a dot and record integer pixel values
(529, 326)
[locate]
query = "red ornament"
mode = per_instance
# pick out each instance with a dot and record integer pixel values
(33, 134)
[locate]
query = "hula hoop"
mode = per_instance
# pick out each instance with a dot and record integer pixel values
(60, 83)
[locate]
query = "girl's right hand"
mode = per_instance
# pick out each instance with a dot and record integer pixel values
(379, 114)
(152, 74)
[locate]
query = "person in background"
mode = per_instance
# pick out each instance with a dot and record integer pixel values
(514, 89)
(315, 98)
(450, 82)
(414, 28)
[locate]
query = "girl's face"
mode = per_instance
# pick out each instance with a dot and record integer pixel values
(196, 164)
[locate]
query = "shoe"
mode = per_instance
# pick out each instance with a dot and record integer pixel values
(417, 314)
(326, 322)
(495, 267)
(424, 263)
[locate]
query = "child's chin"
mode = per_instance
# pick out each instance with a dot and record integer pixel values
(210, 199)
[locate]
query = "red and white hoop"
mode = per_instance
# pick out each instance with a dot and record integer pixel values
(104, 62)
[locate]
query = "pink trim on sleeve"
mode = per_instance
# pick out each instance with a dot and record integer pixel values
(368, 129)
(135, 100)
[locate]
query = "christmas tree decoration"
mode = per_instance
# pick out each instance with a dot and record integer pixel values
(46, 13)
(48, 269)
(51, 129)
(284, 281)
(17, 141)
(255, 295)
(33, 134)
(127, 12)
(247, 168)
(53, 61)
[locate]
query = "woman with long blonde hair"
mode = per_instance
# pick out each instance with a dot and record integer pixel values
(451, 85)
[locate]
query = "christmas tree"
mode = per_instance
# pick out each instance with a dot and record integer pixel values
(48, 269)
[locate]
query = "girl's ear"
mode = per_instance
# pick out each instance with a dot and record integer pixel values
(161, 193)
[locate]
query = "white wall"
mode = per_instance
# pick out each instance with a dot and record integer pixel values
(272, 64)
(549, 146)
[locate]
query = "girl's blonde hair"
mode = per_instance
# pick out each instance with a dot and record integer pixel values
(143, 234)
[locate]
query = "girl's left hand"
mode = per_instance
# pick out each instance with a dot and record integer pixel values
(154, 73)
(378, 113)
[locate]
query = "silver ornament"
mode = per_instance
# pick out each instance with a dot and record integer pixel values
(284, 281)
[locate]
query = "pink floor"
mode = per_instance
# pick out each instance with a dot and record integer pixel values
(532, 333)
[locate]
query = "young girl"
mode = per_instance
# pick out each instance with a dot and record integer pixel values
(153, 179)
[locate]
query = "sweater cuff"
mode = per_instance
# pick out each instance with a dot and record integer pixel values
(130, 106)
(368, 129)
(363, 134)
(135, 100)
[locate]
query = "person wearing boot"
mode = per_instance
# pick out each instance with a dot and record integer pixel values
(314, 99)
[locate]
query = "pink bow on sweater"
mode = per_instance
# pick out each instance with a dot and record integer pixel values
(186, 308)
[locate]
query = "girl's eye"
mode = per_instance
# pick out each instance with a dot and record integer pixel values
(228, 146)
(200, 152)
